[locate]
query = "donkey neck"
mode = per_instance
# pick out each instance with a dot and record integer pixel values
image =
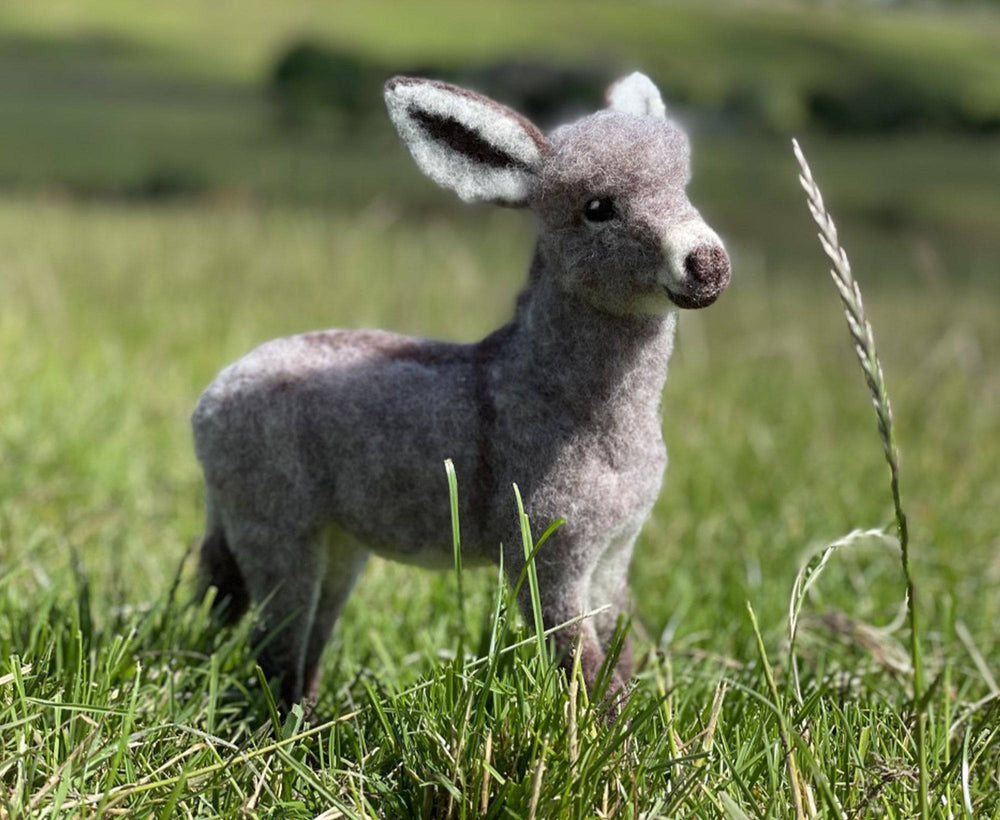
(565, 347)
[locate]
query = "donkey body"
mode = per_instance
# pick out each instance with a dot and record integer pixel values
(323, 447)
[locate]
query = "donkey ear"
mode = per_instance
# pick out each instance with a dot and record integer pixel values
(467, 142)
(636, 94)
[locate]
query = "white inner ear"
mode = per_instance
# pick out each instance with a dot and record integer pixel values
(468, 174)
(637, 94)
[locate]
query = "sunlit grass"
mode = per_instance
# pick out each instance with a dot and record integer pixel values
(113, 319)
(118, 695)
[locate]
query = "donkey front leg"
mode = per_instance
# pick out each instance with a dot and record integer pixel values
(608, 587)
(563, 586)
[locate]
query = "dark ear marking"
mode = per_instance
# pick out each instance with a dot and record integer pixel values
(527, 125)
(464, 140)
(467, 142)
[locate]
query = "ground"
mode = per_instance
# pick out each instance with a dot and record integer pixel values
(119, 305)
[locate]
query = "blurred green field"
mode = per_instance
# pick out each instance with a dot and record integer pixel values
(120, 300)
(107, 100)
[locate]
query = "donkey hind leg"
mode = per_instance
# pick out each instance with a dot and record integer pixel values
(346, 558)
(217, 568)
(284, 572)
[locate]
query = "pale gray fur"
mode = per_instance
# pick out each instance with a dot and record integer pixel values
(345, 432)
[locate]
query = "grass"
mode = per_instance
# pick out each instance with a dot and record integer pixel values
(99, 101)
(117, 694)
(117, 315)
(864, 345)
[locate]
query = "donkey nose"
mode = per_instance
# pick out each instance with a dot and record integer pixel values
(708, 265)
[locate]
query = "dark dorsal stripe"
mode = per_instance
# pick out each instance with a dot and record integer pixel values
(464, 140)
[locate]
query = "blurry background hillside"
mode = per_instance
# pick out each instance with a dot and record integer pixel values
(182, 180)
(280, 102)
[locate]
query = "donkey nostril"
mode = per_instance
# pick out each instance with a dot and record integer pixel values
(707, 264)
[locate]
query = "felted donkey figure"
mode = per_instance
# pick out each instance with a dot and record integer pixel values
(323, 447)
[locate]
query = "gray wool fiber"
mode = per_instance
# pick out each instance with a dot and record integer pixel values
(320, 448)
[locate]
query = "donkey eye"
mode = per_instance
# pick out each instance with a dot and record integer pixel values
(599, 210)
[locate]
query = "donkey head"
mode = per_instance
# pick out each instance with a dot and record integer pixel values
(617, 227)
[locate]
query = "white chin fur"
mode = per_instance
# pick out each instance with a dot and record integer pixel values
(654, 304)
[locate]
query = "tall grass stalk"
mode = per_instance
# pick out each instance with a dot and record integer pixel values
(456, 548)
(529, 563)
(812, 567)
(864, 345)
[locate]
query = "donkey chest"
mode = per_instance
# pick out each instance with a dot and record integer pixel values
(604, 482)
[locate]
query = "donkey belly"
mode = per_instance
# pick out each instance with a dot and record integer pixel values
(401, 509)
(388, 484)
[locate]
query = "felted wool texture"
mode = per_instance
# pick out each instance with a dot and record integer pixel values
(320, 447)
(642, 165)
(636, 94)
(635, 262)
(413, 103)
